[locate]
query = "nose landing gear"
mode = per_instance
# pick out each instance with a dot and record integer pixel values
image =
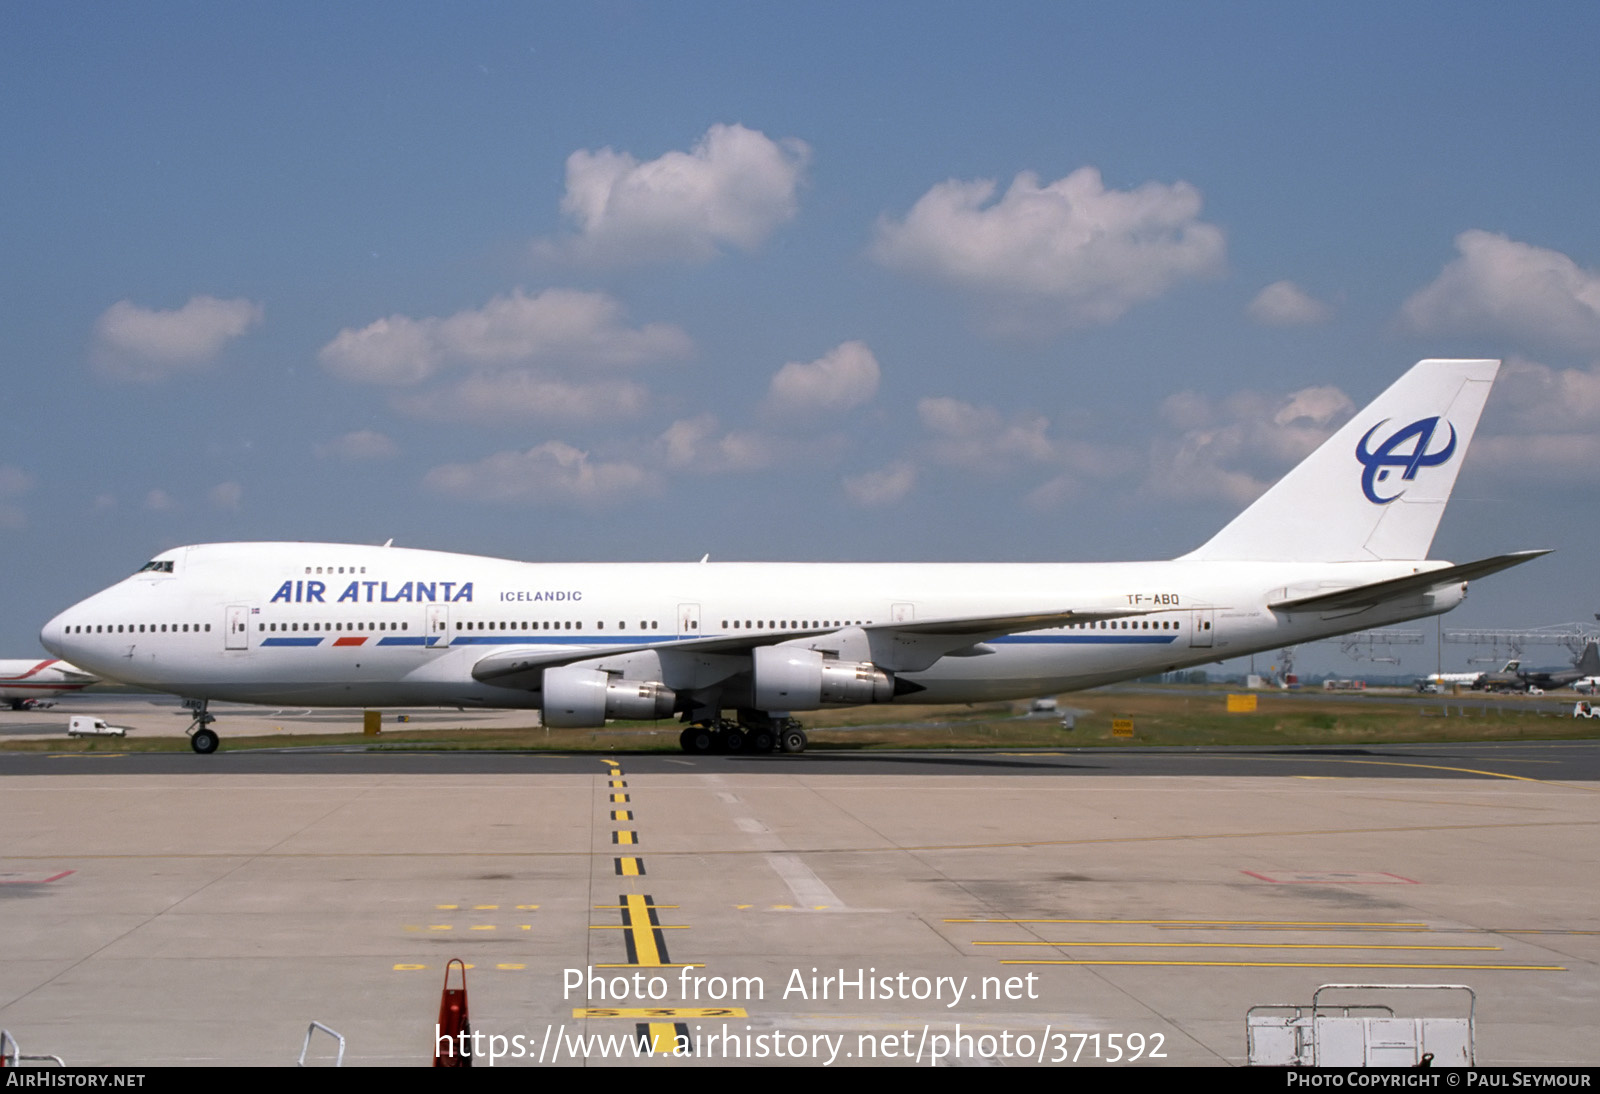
(202, 738)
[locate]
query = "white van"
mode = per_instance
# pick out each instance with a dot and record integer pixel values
(82, 725)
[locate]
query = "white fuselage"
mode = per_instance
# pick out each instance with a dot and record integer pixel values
(345, 625)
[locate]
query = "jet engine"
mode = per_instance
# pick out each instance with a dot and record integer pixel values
(794, 678)
(578, 698)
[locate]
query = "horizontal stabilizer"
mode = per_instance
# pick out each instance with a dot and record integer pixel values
(1380, 592)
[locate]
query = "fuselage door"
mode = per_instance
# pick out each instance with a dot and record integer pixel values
(438, 627)
(688, 621)
(902, 613)
(1201, 631)
(238, 633)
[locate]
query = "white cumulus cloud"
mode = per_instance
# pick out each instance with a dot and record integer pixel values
(732, 189)
(512, 395)
(554, 327)
(1497, 285)
(146, 345)
(1071, 250)
(1285, 304)
(844, 377)
(978, 438)
(1543, 422)
(1234, 448)
(700, 445)
(551, 473)
(519, 357)
(885, 486)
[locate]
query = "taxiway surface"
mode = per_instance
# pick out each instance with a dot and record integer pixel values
(188, 909)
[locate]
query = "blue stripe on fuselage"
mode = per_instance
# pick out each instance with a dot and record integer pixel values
(1087, 639)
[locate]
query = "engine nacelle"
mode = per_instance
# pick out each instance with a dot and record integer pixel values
(794, 678)
(577, 698)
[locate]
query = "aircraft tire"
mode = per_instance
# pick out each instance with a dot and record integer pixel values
(696, 740)
(793, 740)
(733, 740)
(762, 740)
(204, 741)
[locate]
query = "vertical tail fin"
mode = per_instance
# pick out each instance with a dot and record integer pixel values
(1377, 488)
(1589, 663)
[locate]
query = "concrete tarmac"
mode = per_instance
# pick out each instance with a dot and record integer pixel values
(207, 916)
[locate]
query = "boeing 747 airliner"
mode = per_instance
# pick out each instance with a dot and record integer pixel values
(1340, 544)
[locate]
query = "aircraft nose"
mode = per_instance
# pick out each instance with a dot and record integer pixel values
(53, 636)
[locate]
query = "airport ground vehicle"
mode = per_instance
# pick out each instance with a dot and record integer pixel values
(83, 725)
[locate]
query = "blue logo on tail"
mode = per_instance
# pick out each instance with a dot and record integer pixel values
(1378, 463)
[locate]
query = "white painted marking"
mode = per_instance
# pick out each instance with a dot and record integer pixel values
(806, 886)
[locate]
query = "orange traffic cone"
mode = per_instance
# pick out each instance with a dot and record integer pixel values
(452, 1037)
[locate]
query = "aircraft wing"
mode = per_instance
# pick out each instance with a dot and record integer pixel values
(936, 637)
(1378, 592)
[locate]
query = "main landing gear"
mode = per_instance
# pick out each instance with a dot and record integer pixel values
(752, 733)
(202, 738)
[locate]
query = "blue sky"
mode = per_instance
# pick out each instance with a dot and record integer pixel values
(623, 281)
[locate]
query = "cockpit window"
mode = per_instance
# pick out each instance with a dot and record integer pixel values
(157, 566)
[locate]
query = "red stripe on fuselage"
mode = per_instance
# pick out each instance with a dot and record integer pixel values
(37, 668)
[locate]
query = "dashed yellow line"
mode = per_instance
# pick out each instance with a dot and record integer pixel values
(630, 866)
(645, 944)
